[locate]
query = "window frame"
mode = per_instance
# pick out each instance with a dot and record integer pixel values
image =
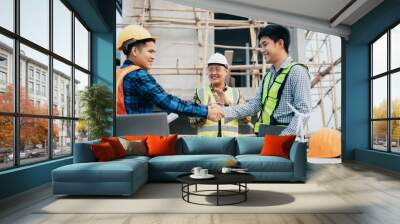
(16, 114)
(388, 74)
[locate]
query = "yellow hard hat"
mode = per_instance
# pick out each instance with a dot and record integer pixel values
(135, 32)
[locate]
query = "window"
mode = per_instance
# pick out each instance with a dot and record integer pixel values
(62, 29)
(81, 45)
(33, 149)
(34, 21)
(44, 91)
(395, 47)
(37, 74)
(3, 78)
(38, 89)
(30, 73)
(62, 140)
(7, 14)
(81, 81)
(43, 77)
(30, 88)
(41, 83)
(3, 72)
(385, 97)
(6, 142)
(62, 75)
(3, 61)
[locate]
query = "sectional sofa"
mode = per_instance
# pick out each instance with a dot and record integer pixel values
(125, 176)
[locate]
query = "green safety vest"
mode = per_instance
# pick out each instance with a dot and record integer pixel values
(210, 128)
(271, 96)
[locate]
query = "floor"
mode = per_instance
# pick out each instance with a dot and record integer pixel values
(378, 188)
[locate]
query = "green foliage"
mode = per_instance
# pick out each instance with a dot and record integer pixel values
(97, 102)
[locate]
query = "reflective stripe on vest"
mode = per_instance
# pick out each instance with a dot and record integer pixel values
(272, 95)
(210, 128)
(120, 75)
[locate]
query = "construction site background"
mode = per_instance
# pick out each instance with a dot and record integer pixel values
(188, 36)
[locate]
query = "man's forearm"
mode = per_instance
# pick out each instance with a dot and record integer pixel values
(249, 108)
(291, 128)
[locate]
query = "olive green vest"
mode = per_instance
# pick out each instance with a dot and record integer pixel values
(271, 96)
(210, 128)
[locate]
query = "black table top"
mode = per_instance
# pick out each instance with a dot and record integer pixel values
(220, 178)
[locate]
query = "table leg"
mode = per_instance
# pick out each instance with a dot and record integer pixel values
(182, 190)
(217, 194)
(245, 191)
(188, 190)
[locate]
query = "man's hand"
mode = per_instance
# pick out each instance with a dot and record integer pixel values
(223, 99)
(246, 120)
(215, 113)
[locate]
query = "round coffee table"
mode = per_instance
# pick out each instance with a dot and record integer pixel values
(238, 179)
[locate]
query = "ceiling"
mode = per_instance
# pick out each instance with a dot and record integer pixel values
(326, 16)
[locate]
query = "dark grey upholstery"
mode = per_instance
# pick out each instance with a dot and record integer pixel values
(142, 124)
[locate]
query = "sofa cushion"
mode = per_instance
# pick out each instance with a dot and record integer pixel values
(277, 145)
(135, 147)
(112, 171)
(249, 145)
(206, 145)
(257, 163)
(116, 145)
(185, 163)
(131, 158)
(103, 152)
(161, 145)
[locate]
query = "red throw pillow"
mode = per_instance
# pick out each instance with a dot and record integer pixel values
(103, 152)
(116, 145)
(161, 145)
(136, 137)
(277, 145)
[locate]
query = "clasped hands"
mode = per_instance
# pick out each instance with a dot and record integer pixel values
(215, 112)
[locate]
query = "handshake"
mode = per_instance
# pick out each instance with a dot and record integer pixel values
(215, 112)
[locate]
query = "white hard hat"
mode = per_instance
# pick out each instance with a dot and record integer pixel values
(218, 58)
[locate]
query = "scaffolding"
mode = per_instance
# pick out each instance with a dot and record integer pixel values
(322, 64)
(203, 22)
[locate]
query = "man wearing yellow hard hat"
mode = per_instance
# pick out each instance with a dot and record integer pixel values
(138, 91)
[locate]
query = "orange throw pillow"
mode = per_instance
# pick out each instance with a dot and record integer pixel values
(103, 152)
(277, 145)
(116, 145)
(161, 145)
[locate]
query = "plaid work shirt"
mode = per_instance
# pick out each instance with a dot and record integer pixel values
(297, 92)
(142, 92)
